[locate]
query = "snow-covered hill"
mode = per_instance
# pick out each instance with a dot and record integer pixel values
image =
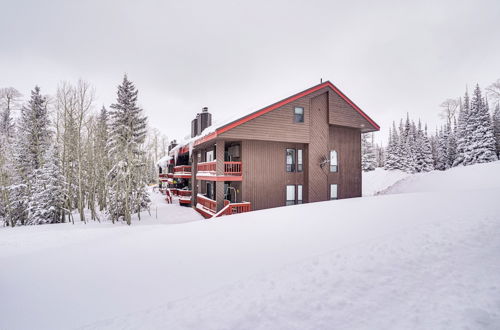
(423, 256)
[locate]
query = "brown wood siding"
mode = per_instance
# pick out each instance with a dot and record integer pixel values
(347, 142)
(264, 173)
(318, 148)
(342, 113)
(277, 125)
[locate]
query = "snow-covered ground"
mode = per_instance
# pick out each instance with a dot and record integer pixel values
(377, 181)
(425, 255)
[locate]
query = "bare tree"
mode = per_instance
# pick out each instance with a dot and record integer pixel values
(449, 109)
(493, 91)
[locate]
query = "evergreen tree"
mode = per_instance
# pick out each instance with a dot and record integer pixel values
(441, 157)
(423, 151)
(428, 158)
(127, 135)
(496, 127)
(462, 131)
(32, 141)
(368, 158)
(392, 161)
(481, 148)
(46, 201)
(451, 146)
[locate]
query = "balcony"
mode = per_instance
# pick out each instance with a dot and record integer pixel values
(206, 206)
(184, 196)
(208, 171)
(182, 171)
(234, 208)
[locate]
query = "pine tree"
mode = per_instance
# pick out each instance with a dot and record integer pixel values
(462, 137)
(368, 159)
(392, 161)
(451, 146)
(32, 141)
(127, 135)
(481, 148)
(428, 158)
(441, 158)
(46, 201)
(423, 152)
(496, 127)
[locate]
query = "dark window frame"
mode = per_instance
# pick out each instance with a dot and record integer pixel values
(300, 165)
(297, 117)
(290, 167)
(334, 168)
(293, 201)
(337, 191)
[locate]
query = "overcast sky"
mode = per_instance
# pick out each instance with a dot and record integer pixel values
(238, 56)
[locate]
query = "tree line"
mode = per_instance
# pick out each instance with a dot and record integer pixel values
(470, 135)
(61, 159)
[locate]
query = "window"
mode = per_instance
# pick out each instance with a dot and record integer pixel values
(210, 156)
(333, 191)
(299, 160)
(210, 190)
(290, 194)
(298, 115)
(333, 161)
(290, 160)
(299, 194)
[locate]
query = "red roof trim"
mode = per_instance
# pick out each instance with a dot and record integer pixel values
(281, 103)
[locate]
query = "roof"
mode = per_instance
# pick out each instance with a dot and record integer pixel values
(212, 132)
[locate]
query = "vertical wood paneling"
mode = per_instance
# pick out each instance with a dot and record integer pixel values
(318, 148)
(347, 142)
(264, 174)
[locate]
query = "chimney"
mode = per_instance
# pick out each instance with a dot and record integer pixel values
(172, 145)
(194, 127)
(204, 120)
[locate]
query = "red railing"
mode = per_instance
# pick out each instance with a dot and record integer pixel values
(230, 168)
(185, 193)
(207, 166)
(234, 208)
(163, 175)
(183, 168)
(170, 175)
(207, 203)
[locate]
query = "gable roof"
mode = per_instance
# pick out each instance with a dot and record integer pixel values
(213, 132)
(228, 126)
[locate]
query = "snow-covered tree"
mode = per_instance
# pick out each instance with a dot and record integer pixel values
(392, 160)
(423, 151)
(32, 140)
(481, 147)
(102, 157)
(380, 155)
(368, 158)
(127, 134)
(462, 136)
(46, 201)
(496, 127)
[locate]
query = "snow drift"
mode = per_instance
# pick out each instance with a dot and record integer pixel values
(407, 260)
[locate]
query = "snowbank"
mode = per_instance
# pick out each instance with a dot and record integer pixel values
(375, 182)
(401, 261)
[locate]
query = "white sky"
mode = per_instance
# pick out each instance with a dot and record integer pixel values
(389, 57)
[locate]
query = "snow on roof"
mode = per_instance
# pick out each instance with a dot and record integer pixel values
(163, 161)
